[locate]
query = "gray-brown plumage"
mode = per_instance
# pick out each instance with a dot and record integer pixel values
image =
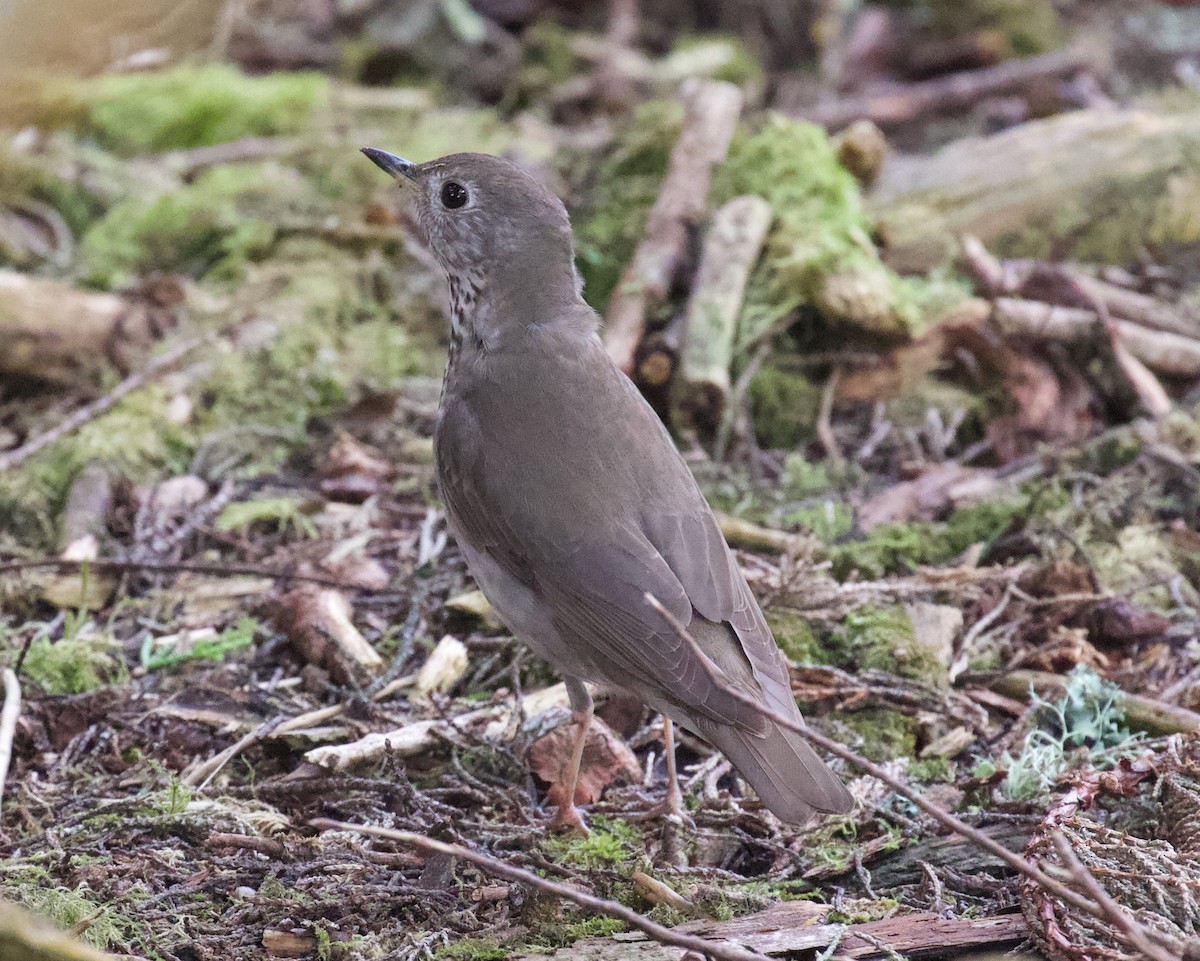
(569, 500)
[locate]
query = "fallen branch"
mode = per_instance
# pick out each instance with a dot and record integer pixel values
(719, 951)
(419, 736)
(891, 104)
(87, 412)
(1160, 350)
(1141, 713)
(711, 112)
(939, 814)
(53, 332)
(734, 241)
(8, 722)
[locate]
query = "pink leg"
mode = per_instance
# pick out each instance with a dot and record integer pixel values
(567, 815)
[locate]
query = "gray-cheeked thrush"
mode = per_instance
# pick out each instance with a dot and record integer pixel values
(570, 502)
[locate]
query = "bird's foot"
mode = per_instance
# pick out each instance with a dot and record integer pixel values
(568, 820)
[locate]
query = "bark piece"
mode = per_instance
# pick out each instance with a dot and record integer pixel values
(711, 112)
(732, 247)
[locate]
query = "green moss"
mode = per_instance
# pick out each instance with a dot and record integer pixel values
(100, 924)
(198, 106)
(1027, 26)
(880, 734)
(819, 250)
(134, 438)
(882, 638)
(926, 770)
(222, 220)
(610, 844)
(784, 406)
(472, 949)
(892, 548)
(622, 191)
(740, 66)
(795, 637)
(74, 665)
(253, 405)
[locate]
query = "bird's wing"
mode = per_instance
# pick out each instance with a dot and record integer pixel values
(591, 528)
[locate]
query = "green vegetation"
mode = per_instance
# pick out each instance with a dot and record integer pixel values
(472, 949)
(610, 844)
(235, 638)
(198, 106)
(819, 252)
(881, 734)
(218, 223)
(625, 187)
(1082, 727)
(85, 658)
(896, 548)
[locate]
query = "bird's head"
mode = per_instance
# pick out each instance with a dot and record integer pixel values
(486, 216)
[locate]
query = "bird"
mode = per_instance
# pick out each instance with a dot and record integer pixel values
(571, 503)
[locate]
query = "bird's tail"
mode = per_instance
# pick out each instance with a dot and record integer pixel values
(783, 770)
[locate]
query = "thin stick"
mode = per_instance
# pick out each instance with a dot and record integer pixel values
(939, 814)
(171, 567)
(720, 951)
(8, 722)
(1134, 933)
(87, 412)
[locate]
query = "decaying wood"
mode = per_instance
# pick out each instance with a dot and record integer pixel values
(1071, 285)
(787, 930)
(710, 116)
(54, 332)
(419, 736)
(891, 104)
(997, 186)
(734, 241)
(1141, 713)
(1159, 350)
(81, 523)
(953, 851)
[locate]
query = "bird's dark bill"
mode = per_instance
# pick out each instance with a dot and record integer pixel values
(390, 163)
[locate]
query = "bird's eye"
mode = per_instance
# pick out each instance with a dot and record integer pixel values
(454, 195)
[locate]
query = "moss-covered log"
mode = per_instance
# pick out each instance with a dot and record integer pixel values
(1096, 185)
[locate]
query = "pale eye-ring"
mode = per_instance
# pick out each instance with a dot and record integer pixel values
(454, 195)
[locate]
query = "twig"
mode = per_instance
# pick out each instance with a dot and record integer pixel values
(87, 412)
(825, 432)
(8, 722)
(939, 814)
(200, 775)
(960, 662)
(894, 103)
(171, 567)
(720, 951)
(1134, 933)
